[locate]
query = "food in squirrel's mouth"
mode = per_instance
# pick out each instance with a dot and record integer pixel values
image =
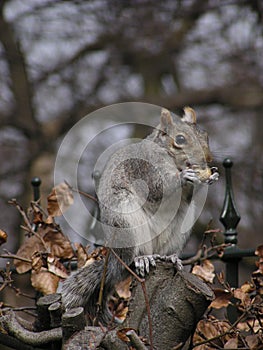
(203, 174)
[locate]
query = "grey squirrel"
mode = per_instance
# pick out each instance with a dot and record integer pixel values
(147, 195)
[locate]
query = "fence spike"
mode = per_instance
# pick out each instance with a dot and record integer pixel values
(229, 216)
(36, 182)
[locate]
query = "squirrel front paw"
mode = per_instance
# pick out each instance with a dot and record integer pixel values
(189, 175)
(143, 263)
(192, 175)
(213, 177)
(177, 262)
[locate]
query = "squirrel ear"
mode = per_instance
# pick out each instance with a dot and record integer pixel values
(166, 120)
(189, 115)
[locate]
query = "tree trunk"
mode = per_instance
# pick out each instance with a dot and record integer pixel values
(177, 302)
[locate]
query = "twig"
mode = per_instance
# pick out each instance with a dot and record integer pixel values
(229, 331)
(21, 211)
(148, 313)
(202, 255)
(29, 229)
(13, 256)
(126, 266)
(38, 206)
(178, 346)
(102, 284)
(5, 284)
(193, 259)
(81, 192)
(6, 276)
(18, 292)
(217, 247)
(142, 281)
(135, 340)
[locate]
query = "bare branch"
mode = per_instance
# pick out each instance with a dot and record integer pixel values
(13, 256)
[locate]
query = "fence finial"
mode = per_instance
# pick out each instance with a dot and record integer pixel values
(36, 182)
(229, 216)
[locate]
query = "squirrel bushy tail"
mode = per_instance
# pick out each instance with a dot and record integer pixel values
(82, 288)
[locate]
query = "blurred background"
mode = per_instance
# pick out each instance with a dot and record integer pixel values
(61, 60)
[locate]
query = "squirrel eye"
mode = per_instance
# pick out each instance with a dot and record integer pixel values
(180, 139)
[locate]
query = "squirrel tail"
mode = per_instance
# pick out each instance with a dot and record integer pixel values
(82, 288)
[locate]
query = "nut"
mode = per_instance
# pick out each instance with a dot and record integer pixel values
(203, 174)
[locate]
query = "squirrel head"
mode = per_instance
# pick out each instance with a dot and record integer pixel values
(184, 141)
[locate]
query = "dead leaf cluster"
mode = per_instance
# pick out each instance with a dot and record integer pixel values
(46, 247)
(212, 333)
(118, 303)
(246, 332)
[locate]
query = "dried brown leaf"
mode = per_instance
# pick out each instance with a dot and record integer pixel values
(253, 341)
(249, 324)
(50, 263)
(28, 248)
(56, 267)
(59, 200)
(211, 328)
(34, 214)
(123, 288)
(58, 244)
(50, 220)
(97, 254)
(3, 237)
(122, 333)
(44, 281)
(222, 298)
(231, 343)
(38, 218)
(118, 303)
(259, 251)
(121, 311)
(2, 330)
(38, 261)
(22, 266)
(248, 287)
(55, 243)
(244, 297)
(259, 264)
(82, 255)
(205, 271)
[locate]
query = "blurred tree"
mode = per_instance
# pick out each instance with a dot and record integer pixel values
(60, 60)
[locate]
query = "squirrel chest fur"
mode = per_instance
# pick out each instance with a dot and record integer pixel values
(147, 203)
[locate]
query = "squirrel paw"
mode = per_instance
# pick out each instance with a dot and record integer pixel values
(214, 177)
(190, 175)
(177, 262)
(143, 263)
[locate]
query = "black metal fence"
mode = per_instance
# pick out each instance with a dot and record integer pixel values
(230, 219)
